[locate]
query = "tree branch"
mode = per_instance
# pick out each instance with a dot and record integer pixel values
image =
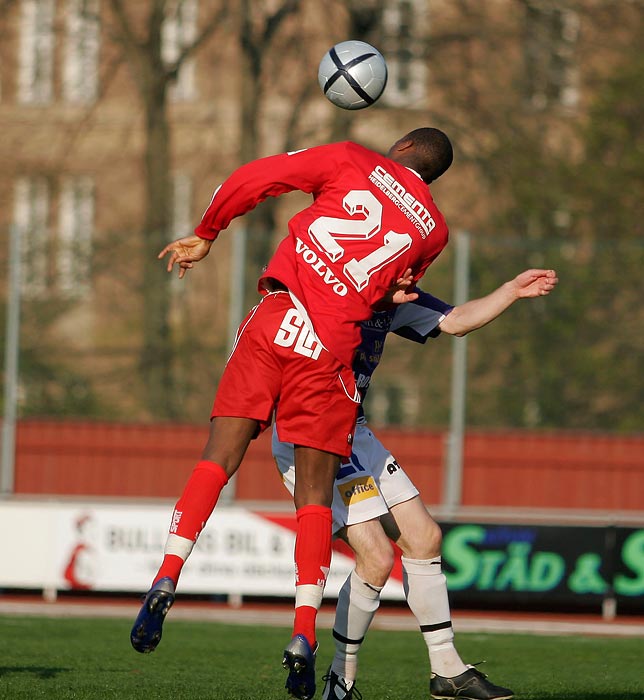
(275, 20)
(127, 35)
(208, 28)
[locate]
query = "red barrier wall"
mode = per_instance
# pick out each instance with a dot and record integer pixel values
(522, 469)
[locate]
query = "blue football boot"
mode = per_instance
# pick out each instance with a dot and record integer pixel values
(147, 629)
(299, 661)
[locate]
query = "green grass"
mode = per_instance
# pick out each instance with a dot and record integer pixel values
(92, 659)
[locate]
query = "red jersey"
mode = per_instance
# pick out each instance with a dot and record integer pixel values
(371, 219)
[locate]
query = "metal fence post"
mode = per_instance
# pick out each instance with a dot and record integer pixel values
(453, 469)
(235, 316)
(237, 283)
(12, 345)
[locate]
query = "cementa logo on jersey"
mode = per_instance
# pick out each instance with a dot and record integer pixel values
(357, 489)
(414, 210)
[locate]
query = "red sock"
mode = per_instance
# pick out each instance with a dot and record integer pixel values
(305, 617)
(312, 562)
(192, 511)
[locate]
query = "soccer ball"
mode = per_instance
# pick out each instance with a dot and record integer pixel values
(352, 74)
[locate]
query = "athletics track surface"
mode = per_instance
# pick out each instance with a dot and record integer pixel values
(281, 615)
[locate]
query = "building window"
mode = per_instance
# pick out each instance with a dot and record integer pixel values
(36, 51)
(404, 37)
(80, 74)
(60, 264)
(75, 229)
(31, 217)
(552, 75)
(182, 223)
(179, 31)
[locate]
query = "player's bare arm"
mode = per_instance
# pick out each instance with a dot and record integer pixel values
(478, 312)
(185, 251)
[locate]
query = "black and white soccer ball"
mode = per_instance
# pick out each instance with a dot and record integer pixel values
(352, 74)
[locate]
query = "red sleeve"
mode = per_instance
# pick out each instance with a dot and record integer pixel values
(306, 170)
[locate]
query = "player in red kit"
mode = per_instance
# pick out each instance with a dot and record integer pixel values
(368, 236)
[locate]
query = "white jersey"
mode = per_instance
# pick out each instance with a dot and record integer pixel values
(368, 484)
(371, 481)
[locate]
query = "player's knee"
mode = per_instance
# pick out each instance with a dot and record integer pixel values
(228, 462)
(382, 563)
(386, 561)
(318, 496)
(375, 565)
(435, 538)
(425, 542)
(228, 441)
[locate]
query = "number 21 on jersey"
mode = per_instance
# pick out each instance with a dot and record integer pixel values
(327, 232)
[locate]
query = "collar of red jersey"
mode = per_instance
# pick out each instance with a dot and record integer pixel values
(416, 173)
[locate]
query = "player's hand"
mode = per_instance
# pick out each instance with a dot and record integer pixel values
(184, 252)
(534, 283)
(402, 292)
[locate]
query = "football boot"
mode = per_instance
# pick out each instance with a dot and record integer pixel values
(299, 661)
(147, 629)
(338, 688)
(469, 685)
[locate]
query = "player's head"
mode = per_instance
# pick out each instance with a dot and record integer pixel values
(427, 150)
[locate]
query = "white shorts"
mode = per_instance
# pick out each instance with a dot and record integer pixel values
(367, 485)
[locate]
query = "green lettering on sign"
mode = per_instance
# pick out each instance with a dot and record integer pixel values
(459, 554)
(491, 560)
(586, 577)
(514, 574)
(546, 571)
(633, 557)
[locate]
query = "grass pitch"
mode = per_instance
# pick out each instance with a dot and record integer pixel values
(92, 660)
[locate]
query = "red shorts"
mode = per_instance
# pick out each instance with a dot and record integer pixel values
(277, 363)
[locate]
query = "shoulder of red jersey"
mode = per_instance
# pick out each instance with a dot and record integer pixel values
(352, 147)
(336, 146)
(341, 150)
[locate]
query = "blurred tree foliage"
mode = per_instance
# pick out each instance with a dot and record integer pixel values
(573, 202)
(55, 384)
(573, 360)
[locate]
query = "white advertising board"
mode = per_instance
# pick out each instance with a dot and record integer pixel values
(118, 548)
